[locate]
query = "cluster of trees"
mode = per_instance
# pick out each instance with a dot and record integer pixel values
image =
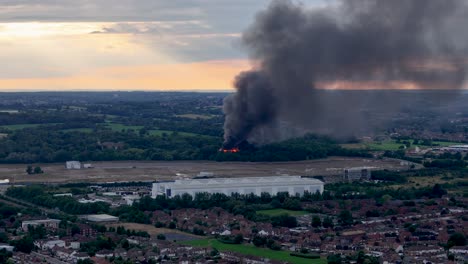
(48, 117)
(389, 176)
(37, 195)
(262, 241)
(55, 145)
(446, 163)
(36, 170)
(99, 244)
(359, 258)
(120, 230)
(349, 191)
(327, 222)
(304, 148)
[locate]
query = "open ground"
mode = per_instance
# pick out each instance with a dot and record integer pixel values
(121, 171)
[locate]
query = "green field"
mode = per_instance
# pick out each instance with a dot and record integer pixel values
(120, 127)
(195, 116)
(392, 145)
(253, 251)
(84, 130)
(168, 132)
(154, 132)
(20, 126)
(277, 212)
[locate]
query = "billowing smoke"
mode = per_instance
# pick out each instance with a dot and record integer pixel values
(348, 44)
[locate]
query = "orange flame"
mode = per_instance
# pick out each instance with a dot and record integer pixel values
(232, 150)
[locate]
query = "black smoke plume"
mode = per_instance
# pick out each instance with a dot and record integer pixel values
(380, 43)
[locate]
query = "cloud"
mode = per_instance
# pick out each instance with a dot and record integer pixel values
(50, 40)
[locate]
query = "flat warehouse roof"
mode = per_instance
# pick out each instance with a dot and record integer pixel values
(245, 182)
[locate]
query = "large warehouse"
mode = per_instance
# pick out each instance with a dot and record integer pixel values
(257, 185)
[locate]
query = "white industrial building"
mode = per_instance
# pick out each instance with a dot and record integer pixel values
(457, 148)
(256, 185)
(101, 218)
(73, 165)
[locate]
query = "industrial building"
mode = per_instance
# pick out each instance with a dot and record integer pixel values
(357, 174)
(73, 165)
(457, 148)
(256, 185)
(99, 218)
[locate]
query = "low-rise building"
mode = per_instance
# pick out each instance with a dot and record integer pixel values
(48, 223)
(357, 174)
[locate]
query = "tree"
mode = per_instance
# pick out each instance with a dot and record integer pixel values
(327, 222)
(125, 244)
(334, 259)
(457, 239)
(259, 241)
(238, 239)
(25, 244)
(292, 204)
(345, 218)
(284, 220)
(316, 222)
(172, 225)
(85, 261)
(29, 170)
(38, 170)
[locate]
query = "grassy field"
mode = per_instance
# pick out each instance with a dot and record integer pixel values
(19, 126)
(276, 212)
(391, 145)
(168, 132)
(120, 127)
(84, 130)
(195, 116)
(253, 251)
(22, 126)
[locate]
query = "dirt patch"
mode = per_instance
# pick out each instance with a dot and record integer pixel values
(120, 171)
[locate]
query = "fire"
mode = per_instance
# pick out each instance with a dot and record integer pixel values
(232, 150)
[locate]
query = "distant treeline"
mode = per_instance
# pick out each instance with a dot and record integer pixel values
(49, 144)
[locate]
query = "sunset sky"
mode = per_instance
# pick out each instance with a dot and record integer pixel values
(124, 44)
